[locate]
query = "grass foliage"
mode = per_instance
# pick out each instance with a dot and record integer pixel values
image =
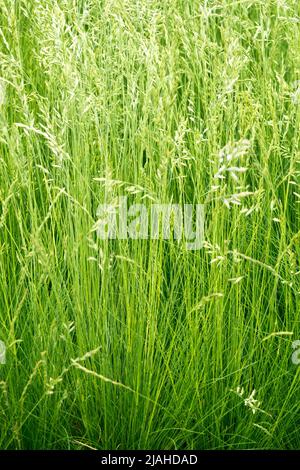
(141, 343)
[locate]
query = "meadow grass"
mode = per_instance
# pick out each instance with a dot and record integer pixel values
(143, 344)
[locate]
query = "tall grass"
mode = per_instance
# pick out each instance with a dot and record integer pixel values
(137, 344)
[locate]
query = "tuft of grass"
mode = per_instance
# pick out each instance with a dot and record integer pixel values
(141, 344)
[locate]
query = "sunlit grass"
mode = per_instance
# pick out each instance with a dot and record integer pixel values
(143, 344)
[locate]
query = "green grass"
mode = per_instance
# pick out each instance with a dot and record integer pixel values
(142, 344)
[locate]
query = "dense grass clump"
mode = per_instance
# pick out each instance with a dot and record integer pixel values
(136, 344)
